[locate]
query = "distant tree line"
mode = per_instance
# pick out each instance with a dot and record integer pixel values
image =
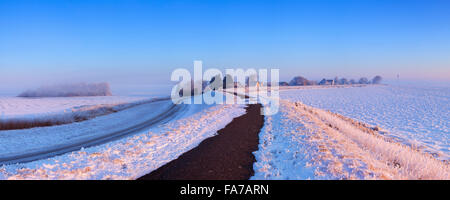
(70, 90)
(218, 82)
(299, 80)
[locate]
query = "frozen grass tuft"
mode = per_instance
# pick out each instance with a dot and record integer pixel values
(384, 156)
(303, 142)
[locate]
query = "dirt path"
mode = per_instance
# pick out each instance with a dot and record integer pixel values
(225, 156)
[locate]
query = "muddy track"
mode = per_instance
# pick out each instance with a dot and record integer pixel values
(226, 156)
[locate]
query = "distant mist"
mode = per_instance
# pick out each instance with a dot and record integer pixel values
(70, 90)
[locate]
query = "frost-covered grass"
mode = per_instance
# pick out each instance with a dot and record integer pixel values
(302, 142)
(415, 115)
(395, 160)
(21, 113)
(366, 136)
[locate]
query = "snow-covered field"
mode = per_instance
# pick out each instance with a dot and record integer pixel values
(303, 141)
(412, 114)
(126, 158)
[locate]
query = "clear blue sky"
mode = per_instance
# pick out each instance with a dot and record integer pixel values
(140, 42)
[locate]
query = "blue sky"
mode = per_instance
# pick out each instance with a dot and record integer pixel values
(141, 42)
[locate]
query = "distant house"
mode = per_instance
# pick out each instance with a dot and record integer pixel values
(326, 82)
(283, 83)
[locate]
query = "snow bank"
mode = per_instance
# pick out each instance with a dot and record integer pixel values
(70, 90)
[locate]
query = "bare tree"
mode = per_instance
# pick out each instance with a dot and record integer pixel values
(377, 80)
(363, 80)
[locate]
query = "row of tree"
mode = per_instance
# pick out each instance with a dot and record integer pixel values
(218, 82)
(299, 80)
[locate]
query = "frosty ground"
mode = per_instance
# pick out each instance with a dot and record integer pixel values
(413, 114)
(374, 132)
(393, 133)
(133, 156)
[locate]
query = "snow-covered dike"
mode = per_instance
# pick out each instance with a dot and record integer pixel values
(302, 142)
(20, 113)
(134, 156)
(23, 141)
